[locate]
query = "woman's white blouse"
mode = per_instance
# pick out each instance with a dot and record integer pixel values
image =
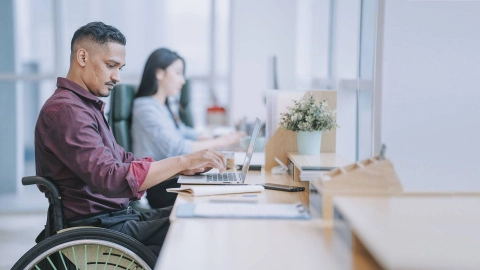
(154, 133)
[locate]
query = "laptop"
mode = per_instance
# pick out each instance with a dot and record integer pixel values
(228, 177)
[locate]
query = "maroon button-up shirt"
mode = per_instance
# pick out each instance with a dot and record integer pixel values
(75, 147)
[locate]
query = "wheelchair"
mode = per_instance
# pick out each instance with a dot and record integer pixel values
(81, 247)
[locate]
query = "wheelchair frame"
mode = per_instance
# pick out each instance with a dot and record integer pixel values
(81, 247)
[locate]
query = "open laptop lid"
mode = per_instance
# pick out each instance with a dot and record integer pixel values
(251, 146)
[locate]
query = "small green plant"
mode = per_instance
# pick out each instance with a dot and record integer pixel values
(306, 115)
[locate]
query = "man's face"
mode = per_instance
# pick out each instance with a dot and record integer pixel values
(102, 69)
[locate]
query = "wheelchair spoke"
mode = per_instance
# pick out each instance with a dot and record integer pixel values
(119, 259)
(51, 263)
(66, 250)
(108, 258)
(128, 267)
(96, 261)
(74, 257)
(63, 260)
(102, 257)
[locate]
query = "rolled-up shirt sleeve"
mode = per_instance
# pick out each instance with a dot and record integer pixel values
(138, 171)
(89, 158)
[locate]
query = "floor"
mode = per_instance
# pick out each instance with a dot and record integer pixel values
(22, 217)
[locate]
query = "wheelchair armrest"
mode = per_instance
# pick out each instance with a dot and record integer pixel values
(38, 180)
(55, 199)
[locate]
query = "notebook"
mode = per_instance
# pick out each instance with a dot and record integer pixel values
(205, 190)
(228, 177)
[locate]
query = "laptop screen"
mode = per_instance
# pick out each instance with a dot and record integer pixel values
(251, 146)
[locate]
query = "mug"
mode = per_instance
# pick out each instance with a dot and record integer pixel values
(230, 158)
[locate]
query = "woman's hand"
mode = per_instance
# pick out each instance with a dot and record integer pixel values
(232, 138)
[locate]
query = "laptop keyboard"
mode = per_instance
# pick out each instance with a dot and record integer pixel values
(221, 177)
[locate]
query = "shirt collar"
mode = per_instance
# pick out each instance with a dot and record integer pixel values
(80, 91)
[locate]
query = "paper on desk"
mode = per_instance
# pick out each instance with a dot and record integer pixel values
(237, 210)
(215, 190)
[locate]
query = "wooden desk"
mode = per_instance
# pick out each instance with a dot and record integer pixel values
(416, 232)
(253, 177)
(256, 244)
(196, 243)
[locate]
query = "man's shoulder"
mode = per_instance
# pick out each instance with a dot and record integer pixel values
(59, 100)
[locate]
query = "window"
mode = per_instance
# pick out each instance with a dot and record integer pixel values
(36, 49)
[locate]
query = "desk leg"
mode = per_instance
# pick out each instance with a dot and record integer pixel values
(361, 255)
(305, 196)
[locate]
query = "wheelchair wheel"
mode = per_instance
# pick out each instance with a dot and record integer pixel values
(88, 248)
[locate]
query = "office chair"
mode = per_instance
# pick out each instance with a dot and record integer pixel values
(120, 119)
(120, 115)
(80, 247)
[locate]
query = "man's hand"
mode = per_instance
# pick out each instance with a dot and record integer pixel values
(197, 171)
(202, 161)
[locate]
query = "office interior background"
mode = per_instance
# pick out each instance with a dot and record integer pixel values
(406, 72)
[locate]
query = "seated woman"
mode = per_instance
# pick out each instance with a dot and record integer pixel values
(156, 132)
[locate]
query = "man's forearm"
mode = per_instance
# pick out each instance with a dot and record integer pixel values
(162, 170)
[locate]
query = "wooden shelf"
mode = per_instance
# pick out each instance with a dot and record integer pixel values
(371, 177)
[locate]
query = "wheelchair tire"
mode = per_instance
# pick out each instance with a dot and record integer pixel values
(85, 248)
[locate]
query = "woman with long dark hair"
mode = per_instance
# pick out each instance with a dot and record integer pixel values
(156, 132)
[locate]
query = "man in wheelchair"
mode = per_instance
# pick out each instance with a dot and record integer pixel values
(75, 147)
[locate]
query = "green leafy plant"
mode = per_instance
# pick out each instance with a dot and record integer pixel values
(306, 115)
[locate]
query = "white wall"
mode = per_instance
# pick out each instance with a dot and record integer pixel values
(312, 44)
(431, 95)
(260, 29)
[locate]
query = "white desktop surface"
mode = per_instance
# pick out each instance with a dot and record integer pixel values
(417, 232)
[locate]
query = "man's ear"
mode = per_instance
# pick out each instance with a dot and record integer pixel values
(82, 56)
(160, 74)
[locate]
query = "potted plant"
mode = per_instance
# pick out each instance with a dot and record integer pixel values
(308, 119)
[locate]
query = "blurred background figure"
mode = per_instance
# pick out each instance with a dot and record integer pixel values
(157, 131)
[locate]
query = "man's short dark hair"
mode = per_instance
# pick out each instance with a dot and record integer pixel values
(99, 33)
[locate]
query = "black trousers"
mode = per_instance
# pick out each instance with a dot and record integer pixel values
(149, 228)
(158, 197)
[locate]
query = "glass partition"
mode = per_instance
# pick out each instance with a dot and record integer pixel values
(365, 86)
(35, 48)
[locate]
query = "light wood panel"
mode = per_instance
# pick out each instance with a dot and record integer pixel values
(257, 244)
(416, 232)
(372, 176)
